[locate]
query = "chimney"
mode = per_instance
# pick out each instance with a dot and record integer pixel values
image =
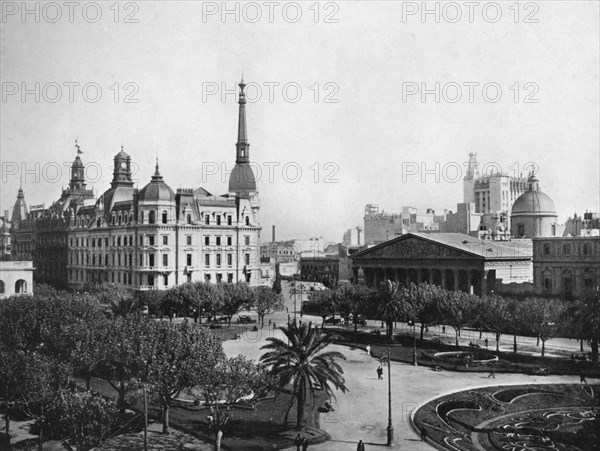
(273, 238)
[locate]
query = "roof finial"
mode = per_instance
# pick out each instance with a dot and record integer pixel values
(79, 151)
(156, 171)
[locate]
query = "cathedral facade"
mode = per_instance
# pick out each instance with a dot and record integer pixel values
(151, 238)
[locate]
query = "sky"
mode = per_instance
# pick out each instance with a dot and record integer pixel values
(349, 103)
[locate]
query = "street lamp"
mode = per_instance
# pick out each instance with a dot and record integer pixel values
(390, 427)
(414, 326)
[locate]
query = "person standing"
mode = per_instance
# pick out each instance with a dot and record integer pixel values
(368, 350)
(486, 342)
(582, 379)
(379, 373)
(444, 330)
(360, 446)
(304, 444)
(298, 442)
(492, 374)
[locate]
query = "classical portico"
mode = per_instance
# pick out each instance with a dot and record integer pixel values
(451, 260)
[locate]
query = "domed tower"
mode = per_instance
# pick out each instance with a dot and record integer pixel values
(533, 213)
(242, 181)
(77, 172)
(156, 201)
(121, 187)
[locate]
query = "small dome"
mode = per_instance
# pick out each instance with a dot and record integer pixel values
(533, 201)
(242, 178)
(77, 163)
(157, 190)
(122, 155)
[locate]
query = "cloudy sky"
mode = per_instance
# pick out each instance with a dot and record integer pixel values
(350, 102)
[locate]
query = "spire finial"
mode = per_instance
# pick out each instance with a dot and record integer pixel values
(156, 170)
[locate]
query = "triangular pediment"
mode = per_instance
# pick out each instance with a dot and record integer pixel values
(414, 247)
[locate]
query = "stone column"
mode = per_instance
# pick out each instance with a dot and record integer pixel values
(443, 271)
(469, 282)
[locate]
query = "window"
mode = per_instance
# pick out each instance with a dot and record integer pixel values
(229, 219)
(165, 260)
(142, 217)
(206, 240)
(229, 241)
(230, 277)
(188, 240)
(165, 240)
(229, 259)
(247, 259)
(247, 240)
(106, 242)
(151, 240)
(166, 276)
(207, 260)
(151, 217)
(218, 219)
(118, 241)
(189, 259)
(189, 219)
(218, 239)
(130, 260)
(218, 259)
(99, 242)
(521, 230)
(189, 278)
(553, 231)
(151, 260)
(547, 249)
(119, 259)
(93, 242)
(567, 249)
(247, 220)
(587, 249)
(219, 278)
(164, 218)
(151, 280)
(207, 220)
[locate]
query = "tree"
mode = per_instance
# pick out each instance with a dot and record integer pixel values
(229, 382)
(422, 303)
(458, 309)
(302, 361)
(81, 419)
(127, 343)
(265, 301)
(543, 317)
(37, 383)
(583, 318)
(495, 316)
(353, 300)
(391, 304)
(181, 357)
(117, 300)
(322, 303)
(234, 297)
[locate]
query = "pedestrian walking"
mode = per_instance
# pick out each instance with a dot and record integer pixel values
(269, 322)
(423, 433)
(582, 379)
(492, 374)
(379, 373)
(444, 330)
(360, 446)
(298, 442)
(368, 350)
(304, 444)
(486, 342)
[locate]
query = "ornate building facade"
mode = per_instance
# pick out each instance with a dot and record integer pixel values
(152, 238)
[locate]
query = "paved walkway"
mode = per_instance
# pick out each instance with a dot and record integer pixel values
(362, 413)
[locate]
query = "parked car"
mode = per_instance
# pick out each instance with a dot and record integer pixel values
(245, 319)
(334, 320)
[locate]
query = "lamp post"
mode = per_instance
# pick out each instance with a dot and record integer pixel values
(301, 306)
(294, 293)
(390, 427)
(414, 326)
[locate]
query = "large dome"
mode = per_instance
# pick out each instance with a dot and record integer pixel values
(533, 201)
(157, 190)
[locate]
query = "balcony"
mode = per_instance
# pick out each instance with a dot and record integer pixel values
(158, 269)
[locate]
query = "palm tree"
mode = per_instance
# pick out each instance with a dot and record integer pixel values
(391, 304)
(304, 364)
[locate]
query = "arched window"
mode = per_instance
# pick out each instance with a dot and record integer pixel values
(20, 286)
(151, 217)
(98, 222)
(547, 249)
(189, 219)
(2, 287)
(164, 217)
(247, 220)
(141, 217)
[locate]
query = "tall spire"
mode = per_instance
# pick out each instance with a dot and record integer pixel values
(242, 145)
